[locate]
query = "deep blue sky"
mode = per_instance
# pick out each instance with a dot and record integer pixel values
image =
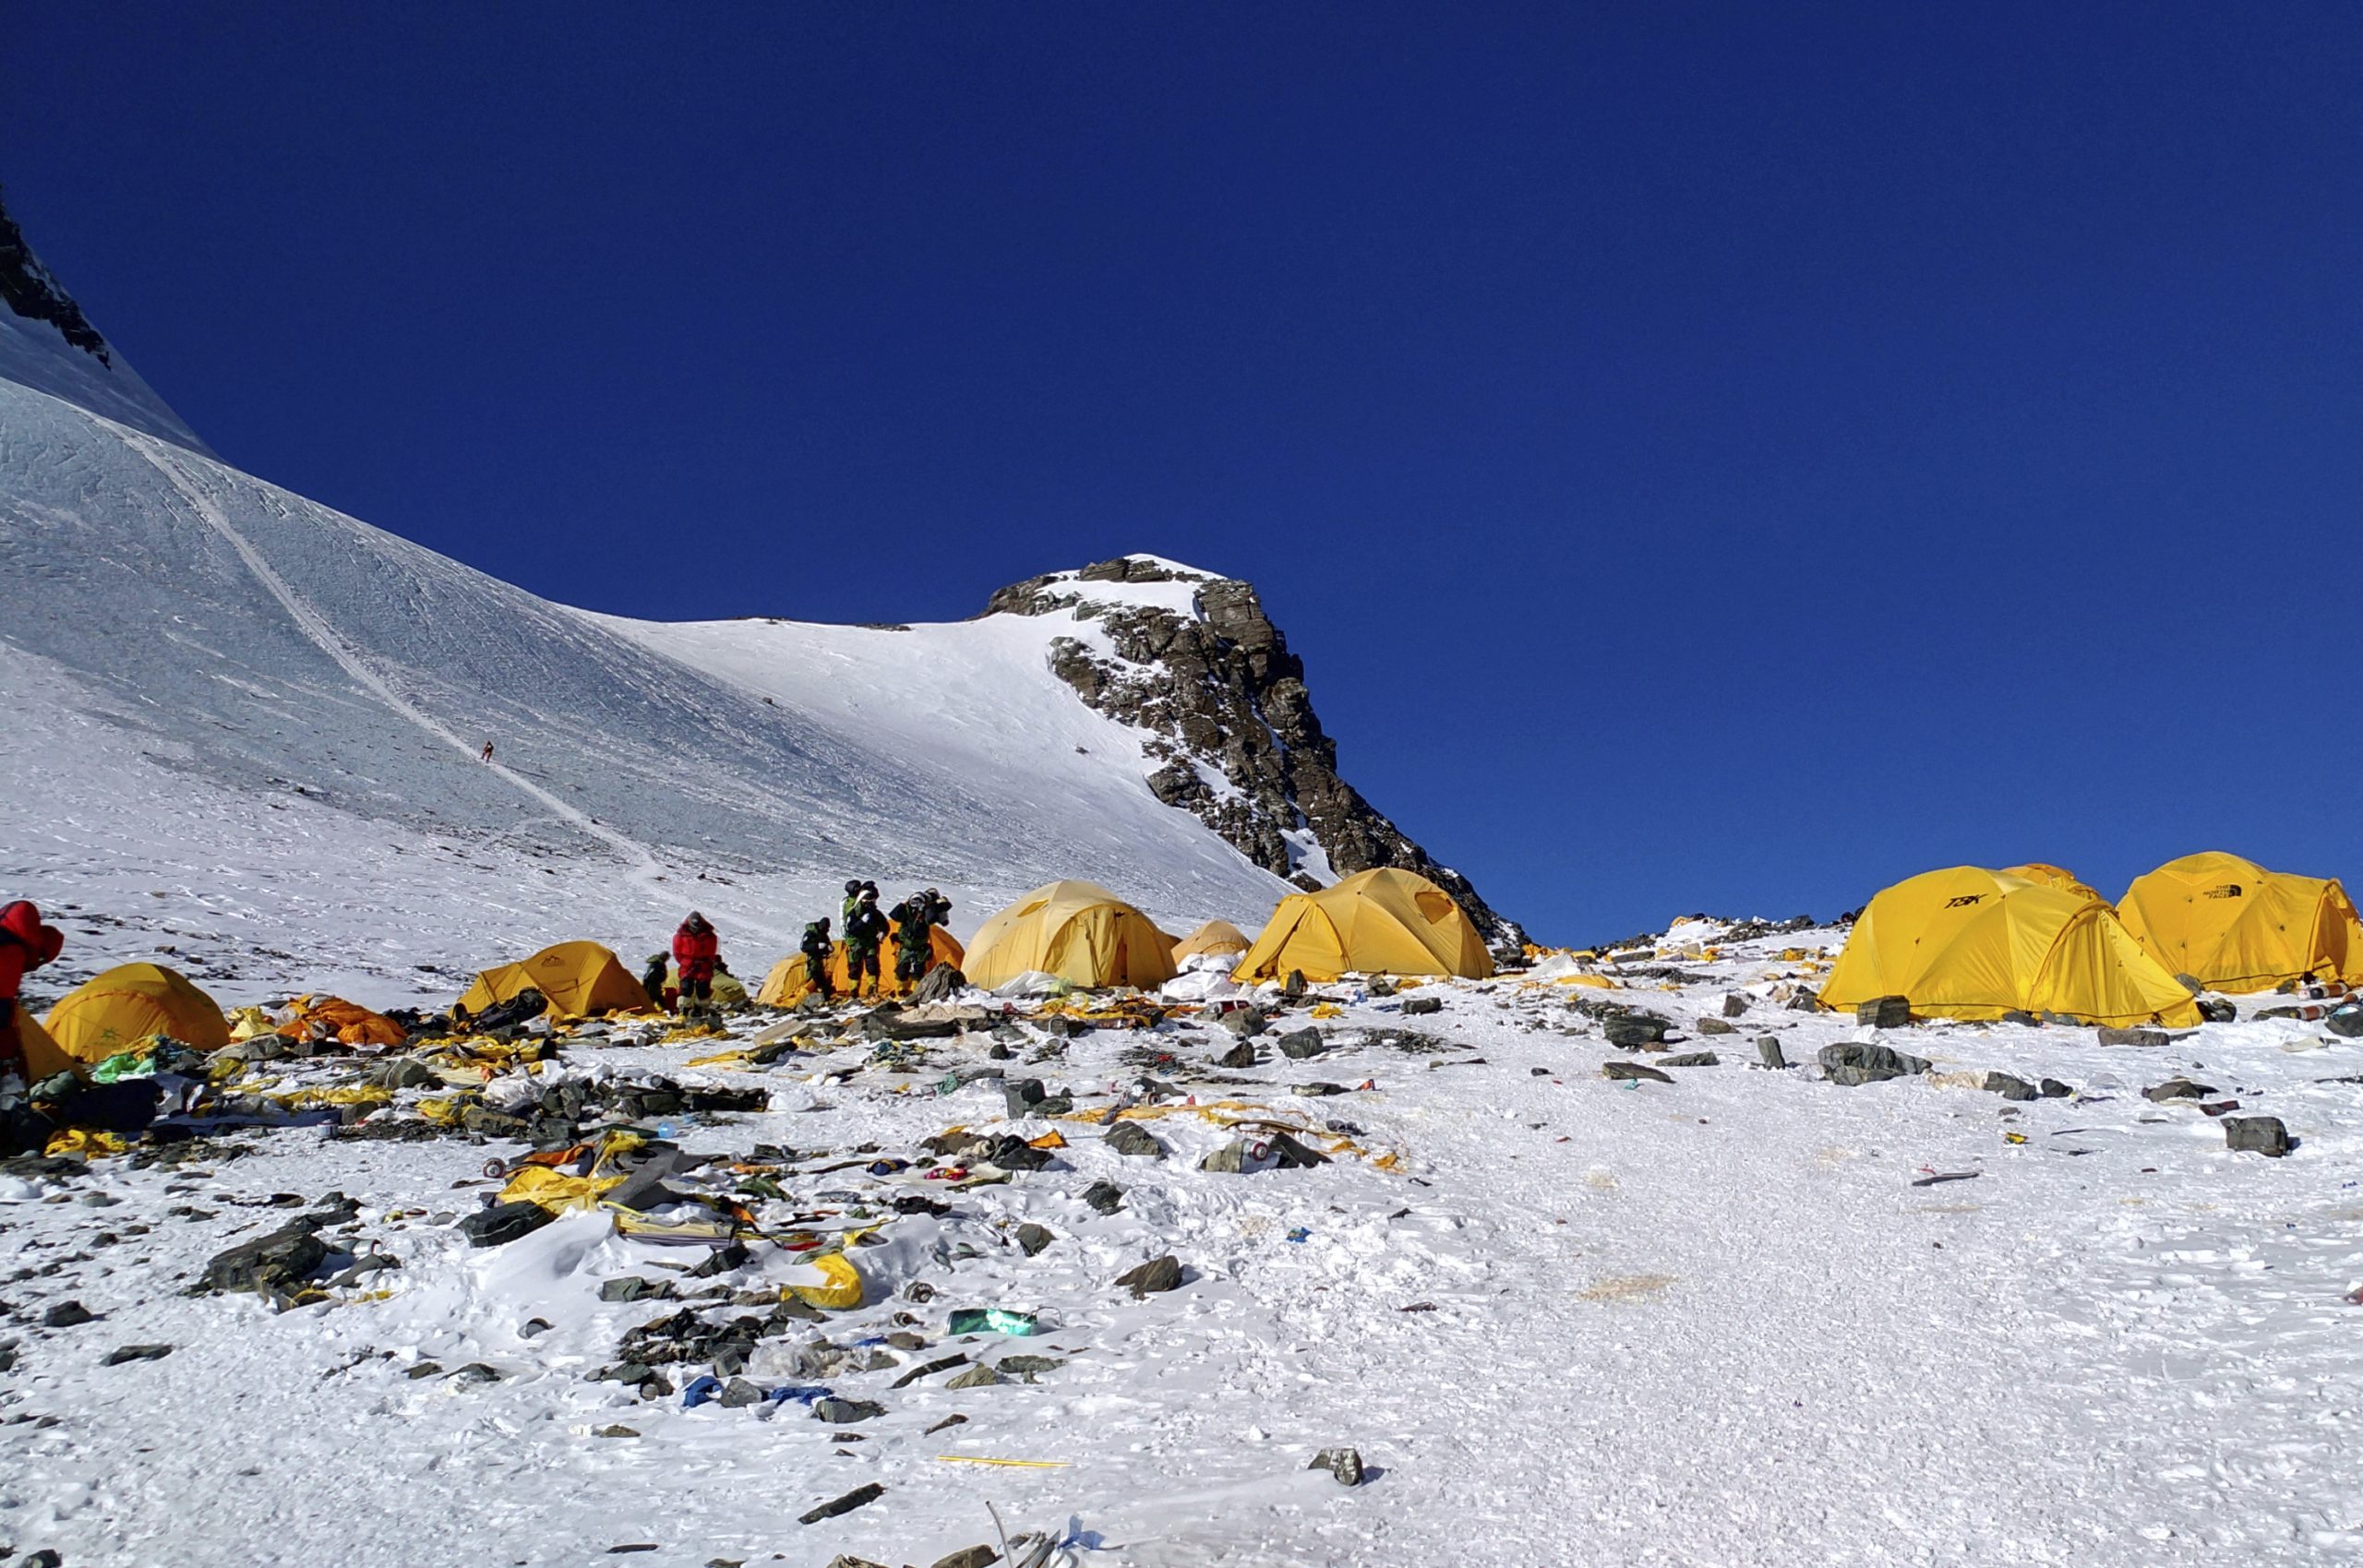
(1709, 457)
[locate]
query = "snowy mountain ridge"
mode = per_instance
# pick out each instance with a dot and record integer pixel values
(271, 712)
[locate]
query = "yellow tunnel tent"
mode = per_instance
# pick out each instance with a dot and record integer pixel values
(1380, 922)
(113, 1011)
(1216, 937)
(1969, 943)
(579, 979)
(1078, 931)
(786, 985)
(2232, 925)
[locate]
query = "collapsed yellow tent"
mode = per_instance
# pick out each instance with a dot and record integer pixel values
(1078, 931)
(2231, 924)
(2050, 875)
(1214, 935)
(1381, 922)
(114, 1011)
(580, 978)
(786, 985)
(1971, 943)
(334, 1018)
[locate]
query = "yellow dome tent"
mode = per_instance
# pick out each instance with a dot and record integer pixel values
(2050, 875)
(42, 1057)
(1971, 943)
(113, 1011)
(1078, 931)
(786, 986)
(580, 978)
(2231, 924)
(1214, 935)
(1381, 922)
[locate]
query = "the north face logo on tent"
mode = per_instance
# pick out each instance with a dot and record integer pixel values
(1964, 901)
(2230, 890)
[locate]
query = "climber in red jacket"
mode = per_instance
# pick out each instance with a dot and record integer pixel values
(695, 948)
(24, 944)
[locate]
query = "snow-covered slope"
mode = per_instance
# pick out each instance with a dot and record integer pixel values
(184, 635)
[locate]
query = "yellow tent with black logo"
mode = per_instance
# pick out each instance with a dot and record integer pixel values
(1216, 937)
(1381, 922)
(1970, 943)
(786, 985)
(579, 978)
(113, 1011)
(2232, 925)
(2050, 875)
(1078, 931)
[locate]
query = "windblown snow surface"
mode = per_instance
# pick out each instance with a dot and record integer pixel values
(244, 719)
(1716, 1321)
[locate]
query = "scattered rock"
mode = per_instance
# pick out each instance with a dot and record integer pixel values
(737, 1394)
(1157, 1274)
(2133, 1036)
(2010, 1088)
(1133, 1140)
(2346, 1021)
(616, 1432)
(1421, 1007)
(1346, 1463)
(1693, 1058)
(2052, 1089)
(967, 1556)
(1240, 1054)
(977, 1376)
(629, 1287)
(67, 1314)
(275, 1265)
(945, 1424)
(1622, 1072)
(2256, 1135)
(1104, 1196)
(858, 1496)
(1885, 1013)
(1768, 1052)
(121, 1353)
(2178, 1088)
(1853, 1064)
(1299, 1044)
(1715, 1026)
(844, 1412)
(1734, 1004)
(847, 1560)
(1632, 1031)
(1032, 1239)
(1027, 1366)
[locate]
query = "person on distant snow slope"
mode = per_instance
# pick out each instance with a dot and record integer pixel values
(25, 945)
(695, 947)
(815, 957)
(865, 929)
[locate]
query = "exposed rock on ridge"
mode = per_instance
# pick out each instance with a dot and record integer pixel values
(1227, 717)
(27, 288)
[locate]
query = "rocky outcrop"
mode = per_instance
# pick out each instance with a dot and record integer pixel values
(27, 289)
(1228, 723)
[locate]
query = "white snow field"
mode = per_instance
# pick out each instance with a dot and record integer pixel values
(218, 688)
(1577, 1321)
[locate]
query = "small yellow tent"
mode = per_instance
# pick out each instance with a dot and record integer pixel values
(42, 1057)
(1216, 937)
(1970, 943)
(1381, 922)
(2050, 875)
(114, 1011)
(580, 978)
(1078, 931)
(2231, 924)
(786, 985)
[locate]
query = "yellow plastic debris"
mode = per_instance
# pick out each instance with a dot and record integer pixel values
(556, 1190)
(841, 1293)
(358, 1094)
(1328, 1010)
(1047, 1141)
(445, 1111)
(84, 1141)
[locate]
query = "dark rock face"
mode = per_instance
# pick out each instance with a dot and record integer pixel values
(1221, 692)
(27, 288)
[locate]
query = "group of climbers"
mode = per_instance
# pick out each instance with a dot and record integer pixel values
(866, 930)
